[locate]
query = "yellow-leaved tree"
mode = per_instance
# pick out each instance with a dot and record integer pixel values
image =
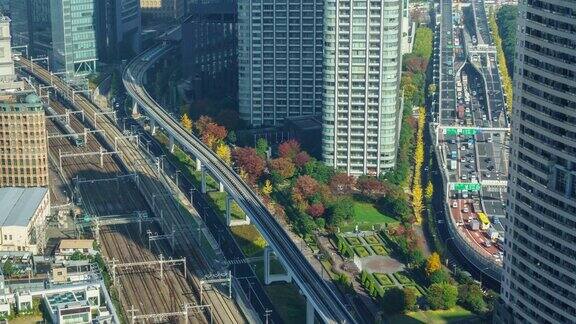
(223, 152)
(186, 122)
(433, 263)
(429, 190)
(267, 188)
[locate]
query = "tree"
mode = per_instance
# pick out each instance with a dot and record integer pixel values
(186, 122)
(232, 137)
(213, 134)
(429, 190)
(393, 301)
(370, 186)
(439, 276)
(262, 147)
(342, 184)
(318, 170)
(267, 188)
(8, 269)
(224, 153)
(315, 210)
(77, 255)
(433, 263)
(410, 298)
(202, 123)
(283, 167)
(342, 209)
(249, 162)
(289, 149)
(305, 186)
(470, 295)
(301, 159)
(442, 296)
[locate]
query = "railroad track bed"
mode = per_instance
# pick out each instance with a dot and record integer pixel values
(133, 160)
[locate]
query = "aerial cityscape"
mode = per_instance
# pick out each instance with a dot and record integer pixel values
(266, 161)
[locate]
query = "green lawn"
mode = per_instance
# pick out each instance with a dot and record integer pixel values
(455, 315)
(249, 240)
(383, 279)
(365, 216)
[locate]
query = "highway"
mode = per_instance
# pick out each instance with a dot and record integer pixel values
(326, 303)
(471, 138)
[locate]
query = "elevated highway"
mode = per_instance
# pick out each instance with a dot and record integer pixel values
(320, 297)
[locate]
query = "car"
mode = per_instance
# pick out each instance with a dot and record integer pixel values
(487, 243)
(4, 258)
(465, 209)
(468, 166)
(463, 177)
(463, 148)
(454, 203)
(491, 168)
(462, 159)
(487, 175)
(489, 140)
(488, 160)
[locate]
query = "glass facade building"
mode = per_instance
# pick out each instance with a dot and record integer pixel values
(279, 59)
(539, 278)
(74, 36)
(361, 113)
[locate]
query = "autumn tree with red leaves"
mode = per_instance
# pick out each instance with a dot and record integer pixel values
(247, 159)
(370, 186)
(202, 123)
(289, 149)
(213, 134)
(283, 167)
(301, 159)
(342, 184)
(316, 210)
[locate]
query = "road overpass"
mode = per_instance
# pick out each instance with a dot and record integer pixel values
(320, 297)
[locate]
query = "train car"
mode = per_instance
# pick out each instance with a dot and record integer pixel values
(65, 127)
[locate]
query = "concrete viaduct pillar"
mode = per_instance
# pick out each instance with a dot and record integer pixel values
(153, 126)
(171, 144)
(229, 220)
(203, 183)
(270, 277)
(135, 112)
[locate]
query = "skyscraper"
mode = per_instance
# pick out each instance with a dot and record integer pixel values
(279, 59)
(539, 277)
(361, 79)
(74, 36)
(119, 27)
(163, 9)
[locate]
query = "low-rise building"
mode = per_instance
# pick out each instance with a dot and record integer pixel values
(23, 215)
(68, 247)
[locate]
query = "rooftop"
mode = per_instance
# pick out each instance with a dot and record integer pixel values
(20, 101)
(76, 244)
(19, 204)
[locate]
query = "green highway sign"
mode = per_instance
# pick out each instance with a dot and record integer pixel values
(456, 131)
(460, 186)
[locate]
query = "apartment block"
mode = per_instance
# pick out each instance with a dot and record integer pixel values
(362, 65)
(279, 59)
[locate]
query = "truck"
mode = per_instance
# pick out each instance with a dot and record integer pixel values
(460, 111)
(454, 154)
(453, 164)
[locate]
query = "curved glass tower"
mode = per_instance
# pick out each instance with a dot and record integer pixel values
(539, 282)
(362, 65)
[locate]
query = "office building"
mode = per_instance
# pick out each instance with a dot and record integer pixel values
(210, 50)
(119, 28)
(23, 219)
(30, 25)
(74, 36)
(361, 114)
(279, 59)
(23, 142)
(20, 26)
(539, 277)
(7, 73)
(163, 9)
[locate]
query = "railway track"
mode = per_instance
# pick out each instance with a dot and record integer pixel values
(133, 160)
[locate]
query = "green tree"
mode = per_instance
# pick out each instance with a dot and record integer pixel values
(410, 298)
(506, 19)
(394, 301)
(262, 147)
(8, 269)
(439, 276)
(470, 295)
(77, 255)
(341, 210)
(442, 296)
